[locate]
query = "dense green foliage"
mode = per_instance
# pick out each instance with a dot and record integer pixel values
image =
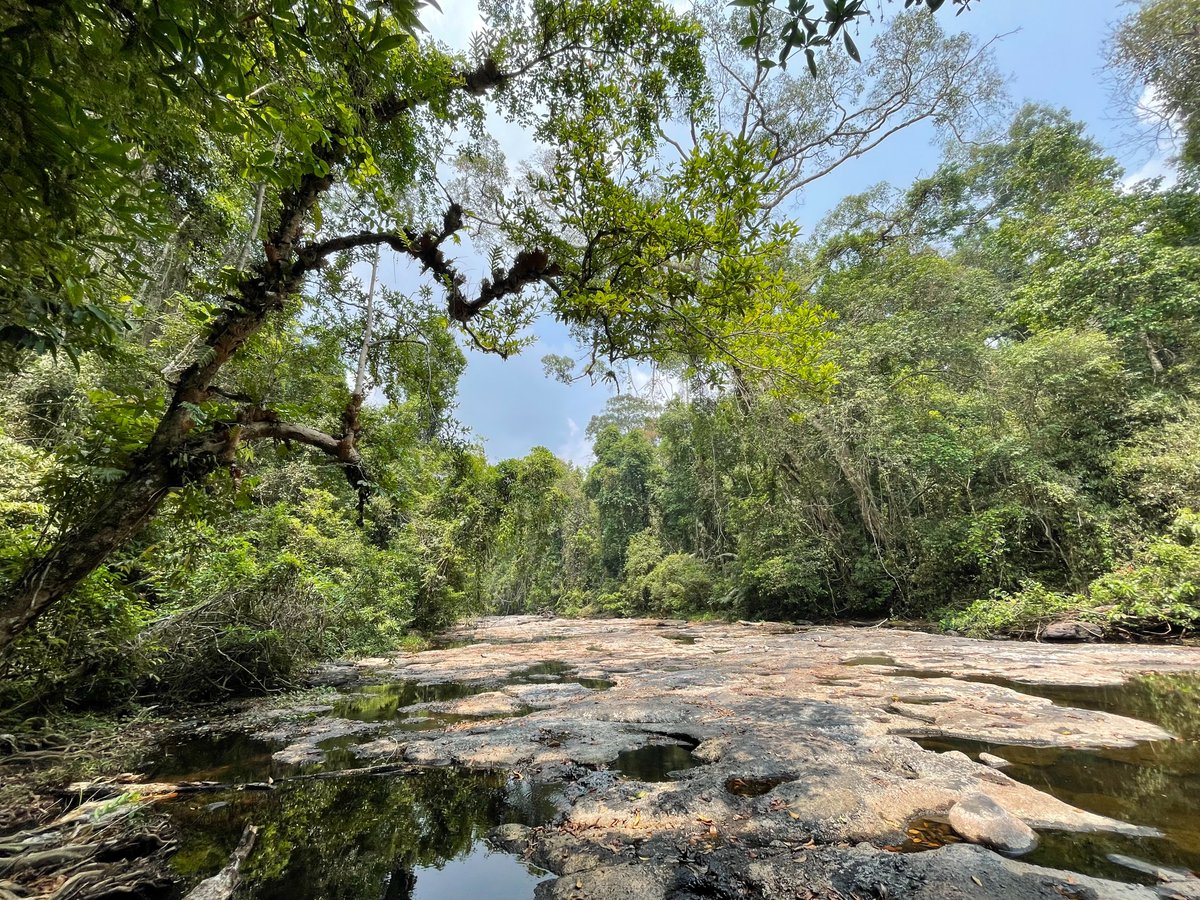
(189, 292)
(1158, 52)
(1011, 437)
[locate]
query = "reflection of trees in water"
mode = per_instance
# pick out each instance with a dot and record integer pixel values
(379, 703)
(401, 885)
(1172, 701)
(356, 837)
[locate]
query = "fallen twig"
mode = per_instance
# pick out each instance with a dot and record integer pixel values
(222, 885)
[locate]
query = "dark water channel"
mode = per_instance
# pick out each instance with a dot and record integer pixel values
(411, 837)
(1155, 784)
(388, 836)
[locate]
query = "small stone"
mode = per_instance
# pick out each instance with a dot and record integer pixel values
(996, 762)
(981, 820)
(213, 807)
(511, 838)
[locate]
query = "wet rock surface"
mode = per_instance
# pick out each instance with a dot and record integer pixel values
(803, 770)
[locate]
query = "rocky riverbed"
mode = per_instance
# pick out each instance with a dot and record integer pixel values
(747, 760)
(642, 759)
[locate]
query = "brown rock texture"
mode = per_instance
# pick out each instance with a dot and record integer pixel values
(806, 771)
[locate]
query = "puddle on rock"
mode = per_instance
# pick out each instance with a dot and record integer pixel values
(1155, 784)
(395, 699)
(654, 762)
(381, 702)
(450, 644)
(926, 834)
(595, 684)
(416, 837)
(680, 638)
(871, 661)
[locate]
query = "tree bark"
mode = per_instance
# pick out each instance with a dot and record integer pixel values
(1156, 363)
(163, 465)
(360, 376)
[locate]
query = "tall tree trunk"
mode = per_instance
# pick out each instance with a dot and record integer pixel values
(1152, 353)
(360, 376)
(165, 463)
(130, 504)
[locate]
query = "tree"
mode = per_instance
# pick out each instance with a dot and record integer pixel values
(620, 482)
(651, 258)
(812, 125)
(800, 29)
(1048, 212)
(356, 121)
(1157, 50)
(534, 497)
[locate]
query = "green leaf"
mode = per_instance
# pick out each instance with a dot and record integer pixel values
(391, 42)
(850, 48)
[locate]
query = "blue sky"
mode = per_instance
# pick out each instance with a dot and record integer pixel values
(1055, 56)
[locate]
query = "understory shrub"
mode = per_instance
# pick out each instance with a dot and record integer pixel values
(1155, 594)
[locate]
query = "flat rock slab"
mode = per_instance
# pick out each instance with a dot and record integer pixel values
(807, 769)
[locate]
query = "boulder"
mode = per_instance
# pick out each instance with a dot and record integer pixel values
(1180, 890)
(981, 820)
(1066, 632)
(1155, 871)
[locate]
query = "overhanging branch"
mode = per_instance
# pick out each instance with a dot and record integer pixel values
(528, 267)
(222, 442)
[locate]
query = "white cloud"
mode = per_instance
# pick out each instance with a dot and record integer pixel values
(1160, 165)
(455, 24)
(577, 448)
(1149, 108)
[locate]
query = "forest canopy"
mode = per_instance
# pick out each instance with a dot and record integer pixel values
(229, 445)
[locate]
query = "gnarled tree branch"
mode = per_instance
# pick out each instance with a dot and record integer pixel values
(528, 267)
